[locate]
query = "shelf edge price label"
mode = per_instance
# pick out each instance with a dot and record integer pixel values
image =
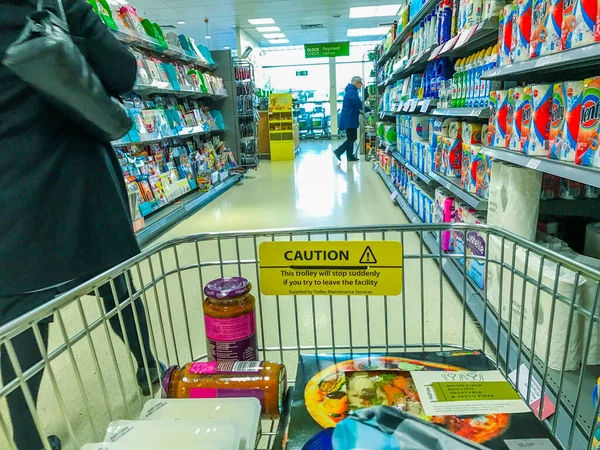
(331, 268)
(533, 163)
(413, 106)
(425, 105)
(406, 106)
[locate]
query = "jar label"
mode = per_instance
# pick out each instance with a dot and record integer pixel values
(228, 367)
(231, 339)
(227, 393)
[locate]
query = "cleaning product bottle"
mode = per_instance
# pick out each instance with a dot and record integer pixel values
(439, 21)
(467, 97)
(463, 83)
(484, 96)
(446, 22)
(455, 19)
(455, 89)
(478, 72)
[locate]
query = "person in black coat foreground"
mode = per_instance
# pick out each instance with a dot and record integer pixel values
(64, 212)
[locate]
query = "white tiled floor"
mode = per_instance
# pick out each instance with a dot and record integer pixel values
(314, 191)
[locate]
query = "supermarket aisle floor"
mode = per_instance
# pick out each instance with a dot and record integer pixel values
(313, 191)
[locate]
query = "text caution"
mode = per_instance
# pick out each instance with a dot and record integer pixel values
(331, 268)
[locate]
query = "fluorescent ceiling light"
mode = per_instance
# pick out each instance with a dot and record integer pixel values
(274, 35)
(377, 31)
(227, 47)
(208, 36)
(373, 11)
(268, 29)
(181, 22)
(279, 41)
(261, 21)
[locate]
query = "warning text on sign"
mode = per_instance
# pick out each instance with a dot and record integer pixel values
(331, 268)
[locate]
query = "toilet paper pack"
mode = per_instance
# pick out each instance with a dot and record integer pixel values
(479, 172)
(540, 119)
(465, 177)
(455, 129)
(471, 133)
(476, 248)
(500, 118)
(463, 214)
(521, 31)
(526, 108)
(505, 34)
(510, 111)
(419, 128)
(546, 23)
(573, 99)
(451, 157)
(579, 22)
(484, 133)
(517, 122)
(493, 113)
(587, 141)
(444, 213)
(557, 120)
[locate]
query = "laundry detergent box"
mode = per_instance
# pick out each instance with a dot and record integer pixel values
(500, 118)
(521, 31)
(587, 142)
(574, 97)
(579, 22)
(557, 120)
(526, 119)
(514, 142)
(540, 119)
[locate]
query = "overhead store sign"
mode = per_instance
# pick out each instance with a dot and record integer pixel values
(331, 268)
(327, 50)
(301, 73)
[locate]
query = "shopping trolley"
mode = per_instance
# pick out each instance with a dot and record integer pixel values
(536, 314)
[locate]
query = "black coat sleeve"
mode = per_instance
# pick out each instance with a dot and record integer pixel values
(112, 61)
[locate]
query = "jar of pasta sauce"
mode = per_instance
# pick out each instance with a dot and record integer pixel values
(263, 380)
(230, 320)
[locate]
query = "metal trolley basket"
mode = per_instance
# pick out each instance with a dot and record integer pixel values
(536, 313)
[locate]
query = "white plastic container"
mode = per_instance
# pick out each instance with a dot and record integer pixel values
(197, 434)
(244, 411)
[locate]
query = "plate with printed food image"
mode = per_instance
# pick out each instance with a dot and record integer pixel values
(365, 382)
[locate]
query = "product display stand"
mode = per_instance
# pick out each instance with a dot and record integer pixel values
(281, 127)
(247, 112)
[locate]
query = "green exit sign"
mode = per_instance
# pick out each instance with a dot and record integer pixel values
(301, 73)
(327, 50)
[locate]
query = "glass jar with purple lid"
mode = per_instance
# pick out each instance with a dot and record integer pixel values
(230, 320)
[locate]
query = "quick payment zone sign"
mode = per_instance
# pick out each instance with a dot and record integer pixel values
(331, 268)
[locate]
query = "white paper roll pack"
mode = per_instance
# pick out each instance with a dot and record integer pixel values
(471, 133)
(440, 126)
(455, 129)
(592, 240)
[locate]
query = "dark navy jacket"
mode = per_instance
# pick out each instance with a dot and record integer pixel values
(351, 108)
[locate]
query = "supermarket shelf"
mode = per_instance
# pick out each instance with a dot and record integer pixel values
(425, 9)
(168, 216)
(414, 65)
(570, 171)
(166, 88)
(555, 67)
(508, 348)
(477, 37)
(573, 208)
(472, 200)
(149, 43)
(415, 106)
(149, 138)
(425, 178)
(475, 113)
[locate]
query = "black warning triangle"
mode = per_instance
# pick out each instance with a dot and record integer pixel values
(368, 257)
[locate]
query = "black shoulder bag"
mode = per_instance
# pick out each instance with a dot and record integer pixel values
(45, 57)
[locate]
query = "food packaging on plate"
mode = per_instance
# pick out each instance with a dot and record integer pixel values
(244, 411)
(199, 434)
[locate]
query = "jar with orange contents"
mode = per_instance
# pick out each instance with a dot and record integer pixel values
(263, 380)
(230, 320)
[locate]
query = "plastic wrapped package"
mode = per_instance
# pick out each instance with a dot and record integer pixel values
(588, 293)
(199, 434)
(515, 292)
(514, 199)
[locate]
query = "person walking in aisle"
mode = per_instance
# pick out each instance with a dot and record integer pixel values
(351, 108)
(65, 212)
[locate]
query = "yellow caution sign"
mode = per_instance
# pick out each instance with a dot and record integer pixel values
(331, 268)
